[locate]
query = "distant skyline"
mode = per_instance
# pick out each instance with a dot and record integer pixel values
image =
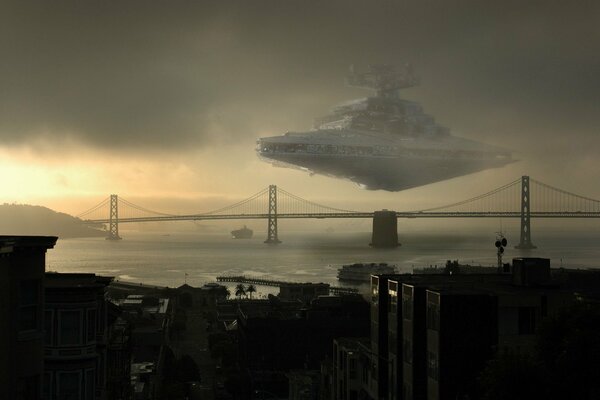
(162, 103)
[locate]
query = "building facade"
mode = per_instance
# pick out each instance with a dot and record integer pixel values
(22, 265)
(76, 329)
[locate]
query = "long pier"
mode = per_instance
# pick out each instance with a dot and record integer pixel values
(272, 282)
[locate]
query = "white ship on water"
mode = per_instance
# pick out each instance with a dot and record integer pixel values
(243, 233)
(361, 273)
(383, 141)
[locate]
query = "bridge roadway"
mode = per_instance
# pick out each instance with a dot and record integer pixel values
(263, 205)
(402, 214)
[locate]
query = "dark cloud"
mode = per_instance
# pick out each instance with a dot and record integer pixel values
(179, 75)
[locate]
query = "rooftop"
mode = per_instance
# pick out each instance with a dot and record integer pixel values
(74, 280)
(9, 243)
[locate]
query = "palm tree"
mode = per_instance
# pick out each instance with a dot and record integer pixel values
(240, 291)
(250, 289)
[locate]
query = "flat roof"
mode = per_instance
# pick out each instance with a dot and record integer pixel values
(8, 242)
(70, 280)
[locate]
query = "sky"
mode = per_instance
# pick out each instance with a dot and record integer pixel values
(162, 102)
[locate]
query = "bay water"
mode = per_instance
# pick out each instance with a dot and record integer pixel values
(198, 258)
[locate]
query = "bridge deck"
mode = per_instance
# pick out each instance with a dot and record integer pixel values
(409, 214)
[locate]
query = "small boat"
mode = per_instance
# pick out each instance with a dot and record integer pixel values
(244, 233)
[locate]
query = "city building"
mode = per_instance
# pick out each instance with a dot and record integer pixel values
(118, 357)
(77, 326)
(150, 317)
(346, 371)
(406, 327)
(303, 384)
(461, 333)
(205, 296)
(426, 312)
(304, 292)
(379, 335)
(411, 384)
(22, 265)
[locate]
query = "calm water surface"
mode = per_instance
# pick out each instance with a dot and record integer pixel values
(159, 259)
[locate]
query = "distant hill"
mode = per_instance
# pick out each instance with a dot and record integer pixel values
(22, 219)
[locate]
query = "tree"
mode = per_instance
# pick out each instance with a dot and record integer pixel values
(240, 291)
(526, 380)
(250, 289)
(569, 350)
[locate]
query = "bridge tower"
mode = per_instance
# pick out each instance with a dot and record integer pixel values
(272, 223)
(113, 220)
(525, 242)
(385, 229)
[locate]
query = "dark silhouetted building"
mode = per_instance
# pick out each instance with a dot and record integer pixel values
(76, 334)
(347, 368)
(118, 356)
(280, 336)
(461, 333)
(150, 317)
(303, 384)
(304, 292)
(22, 264)
(442, 328)
(206, 295)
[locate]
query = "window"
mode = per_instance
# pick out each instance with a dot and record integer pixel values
(352, 374)
(393, 297)
(28, 388)
(526, 320)
(48, 324)
(392, 342)
(47, 386)
(407, 311)
(407, 351)
(28, 304)
(91, 325)
(544, 306)
(407, 391)
(69, 386)
(433, 316)
(70, 327)
(393, 302)
(432, 365)
(90, 377)
(374, 292)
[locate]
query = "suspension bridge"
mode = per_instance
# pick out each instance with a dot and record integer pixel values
(523, 198)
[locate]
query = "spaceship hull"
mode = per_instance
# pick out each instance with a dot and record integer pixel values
(382, 141)
(385, 173)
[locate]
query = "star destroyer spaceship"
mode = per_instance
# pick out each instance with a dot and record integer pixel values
(383, 141)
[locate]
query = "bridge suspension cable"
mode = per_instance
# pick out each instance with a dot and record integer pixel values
(290, 203)
(548, 198)
(254, 204)
(501, 198)
(98, 206)
(142, 209)
(543, 200)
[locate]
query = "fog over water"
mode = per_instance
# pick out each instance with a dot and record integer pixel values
(155, 258)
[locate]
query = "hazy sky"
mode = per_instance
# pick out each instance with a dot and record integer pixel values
(161, 102)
